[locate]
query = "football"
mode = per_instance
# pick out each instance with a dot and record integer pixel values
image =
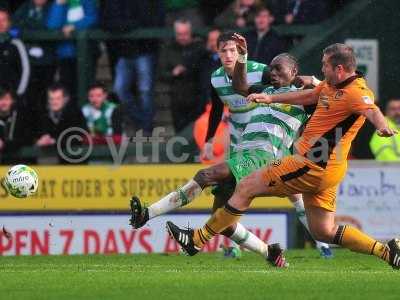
(21, 181)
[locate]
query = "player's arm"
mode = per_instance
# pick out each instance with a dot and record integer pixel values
(304, 97)
(239, 78)
(375, 116)
(217, 110)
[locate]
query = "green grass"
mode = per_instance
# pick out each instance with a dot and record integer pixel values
(347, 276)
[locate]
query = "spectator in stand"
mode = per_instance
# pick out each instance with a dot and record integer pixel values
(14, 61)
(135, 59)
(188, 9)
(14, 127)
(180, 64)
(71, 16)
(263, 42)
(62, 114)
(388, 149)
(239, 14)
(279, 9)
(210, 62)
(102, 116)
(11, 5)
(307, 11)
(210, 9)
(32, 15)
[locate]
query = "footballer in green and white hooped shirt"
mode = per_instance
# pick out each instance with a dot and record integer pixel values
(221, 173)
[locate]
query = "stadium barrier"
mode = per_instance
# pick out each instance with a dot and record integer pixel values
(83, 209)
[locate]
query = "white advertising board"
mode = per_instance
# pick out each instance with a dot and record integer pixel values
(111, 234)
(369, 198)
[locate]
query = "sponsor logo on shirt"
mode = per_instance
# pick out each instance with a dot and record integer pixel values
(324, 100)
(367, 100)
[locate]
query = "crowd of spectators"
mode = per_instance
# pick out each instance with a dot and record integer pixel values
(38, 80)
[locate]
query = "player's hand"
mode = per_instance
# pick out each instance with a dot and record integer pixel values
(259, 98)
(241, 43)
(386, 132)
(208, 152)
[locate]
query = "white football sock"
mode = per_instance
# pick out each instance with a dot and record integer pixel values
(248, 240)
(301, 215)
(181, 197)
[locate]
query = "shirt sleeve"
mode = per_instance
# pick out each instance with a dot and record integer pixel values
(360, 99)
(319, 87)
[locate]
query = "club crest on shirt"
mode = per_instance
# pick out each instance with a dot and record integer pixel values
(324, 100)
(338, 95)
(276, 163)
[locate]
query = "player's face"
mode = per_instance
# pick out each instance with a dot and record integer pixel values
(56, 100)
(6, 103)
(329, 71)
(97, 96)
(282, 72)
(4, 22)
(228, 54)
(212, 40)
(183, 34)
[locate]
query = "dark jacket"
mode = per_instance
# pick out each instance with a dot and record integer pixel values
(14, 64)
(227, 19)
(55, 124)
(209, 63)
(27, 17)
(309, 11)
(127, 15)
(15, 132)
(264, 50)
(185, 90)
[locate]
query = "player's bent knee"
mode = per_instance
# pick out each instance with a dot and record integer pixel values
(323, 234)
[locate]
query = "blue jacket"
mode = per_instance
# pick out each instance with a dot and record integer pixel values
(57, 19)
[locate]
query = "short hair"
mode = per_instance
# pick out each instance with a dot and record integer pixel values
(341, 54)
(290, 58)
(98, 85)
(57, 87)
(224, 37)
(183, 21)
(5, 10)
(5, 89)
(261, 8)
(214, 28)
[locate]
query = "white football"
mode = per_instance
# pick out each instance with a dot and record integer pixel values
(21, 181)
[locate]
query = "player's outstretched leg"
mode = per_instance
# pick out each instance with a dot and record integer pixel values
(323, 227)
(237, 232)
(140, 215)
(297, 200)
(224, 217)
(184, 237)
(248, 240)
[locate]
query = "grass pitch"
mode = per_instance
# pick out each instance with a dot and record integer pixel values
(347, 276)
